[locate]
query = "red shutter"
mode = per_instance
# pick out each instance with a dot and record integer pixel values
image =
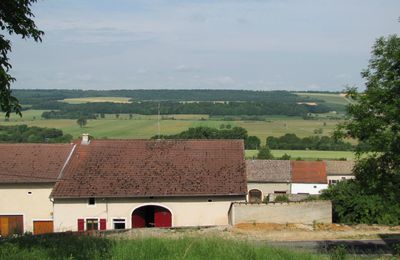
(81, 224)
(103, 224)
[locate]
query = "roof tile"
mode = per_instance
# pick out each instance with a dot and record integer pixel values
(25, 163)
(138, 168)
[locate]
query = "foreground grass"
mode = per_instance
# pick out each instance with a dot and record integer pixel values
(83, 247)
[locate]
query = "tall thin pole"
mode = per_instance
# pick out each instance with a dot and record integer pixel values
(158, 121)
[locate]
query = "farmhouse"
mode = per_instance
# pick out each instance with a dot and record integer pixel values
(112, 184)
(339, 170)
(308, 177)
(28, 173)
(267, 176)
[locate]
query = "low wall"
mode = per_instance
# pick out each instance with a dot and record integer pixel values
(282, 213)
(291, 197)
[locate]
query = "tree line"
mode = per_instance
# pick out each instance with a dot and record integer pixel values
(32, 134)
(92, 110)
(203, 132)
(321, 143)
(37, 96)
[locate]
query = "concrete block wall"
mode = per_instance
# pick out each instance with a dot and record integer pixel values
(282, 213)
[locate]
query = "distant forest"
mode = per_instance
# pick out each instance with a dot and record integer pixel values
(36, 96)
(234, 102)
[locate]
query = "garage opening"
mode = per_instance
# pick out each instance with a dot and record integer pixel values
(151, 216)
(11, 224)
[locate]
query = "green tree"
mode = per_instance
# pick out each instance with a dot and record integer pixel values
(252, 143)
(264, 153)
(375, 122)
(81, 121)
(286, 157)
(15, 18)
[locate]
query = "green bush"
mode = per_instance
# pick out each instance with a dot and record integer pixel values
(351, 205)
(282, 198)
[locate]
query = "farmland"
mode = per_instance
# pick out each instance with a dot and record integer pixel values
(335, 101)
(307, 155)
(141, 126)
(96, 100)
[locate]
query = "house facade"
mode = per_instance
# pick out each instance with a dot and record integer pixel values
(267, 176)
(112, 184)
(339, 171)
(308, 177)
(28, 173)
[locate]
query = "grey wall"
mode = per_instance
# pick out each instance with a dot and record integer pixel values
(282, 213)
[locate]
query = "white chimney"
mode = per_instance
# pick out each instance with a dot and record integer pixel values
(85, 139)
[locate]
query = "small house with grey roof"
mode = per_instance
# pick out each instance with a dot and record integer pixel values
(339, 170)
(267, 176)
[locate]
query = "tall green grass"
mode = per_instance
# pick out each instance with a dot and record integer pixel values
(83, 247)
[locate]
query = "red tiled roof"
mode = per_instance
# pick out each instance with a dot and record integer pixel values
(138, 168)
(26, 163)
(308, 172)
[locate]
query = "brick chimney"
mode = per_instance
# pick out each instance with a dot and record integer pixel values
(85, 139)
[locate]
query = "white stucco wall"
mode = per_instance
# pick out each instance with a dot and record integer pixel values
(340, 177)
(310, 188)
(15, 200)
(267, 188)
(195, 211)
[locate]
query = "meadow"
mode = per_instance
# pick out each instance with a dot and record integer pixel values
(336, 101)
(85, 247)
(141, 126)
(306, 154)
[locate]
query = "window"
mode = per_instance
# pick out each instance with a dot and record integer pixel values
(92, 201)
(92, 224)
(255, 196)
(119, 223)
(279, 192)
(315, 187)
(332, 182)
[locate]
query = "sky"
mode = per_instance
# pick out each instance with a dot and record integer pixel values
(202, 44)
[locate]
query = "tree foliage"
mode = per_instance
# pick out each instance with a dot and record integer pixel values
(15, 18)
(265, 153)
(82, 121)
(375, 121)
(25, 134)
(321, 143)
(203, 132)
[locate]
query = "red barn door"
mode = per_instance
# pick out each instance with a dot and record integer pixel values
(139, 218)
(162, 217)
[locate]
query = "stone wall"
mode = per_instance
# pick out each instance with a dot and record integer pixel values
(282, 213)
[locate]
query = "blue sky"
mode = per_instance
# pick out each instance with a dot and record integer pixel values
(252, 44)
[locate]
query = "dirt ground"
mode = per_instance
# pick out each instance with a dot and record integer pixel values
(272, 232)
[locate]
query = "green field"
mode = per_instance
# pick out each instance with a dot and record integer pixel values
(337, 102)
(306, 155)
(142, 126)
(96, 100)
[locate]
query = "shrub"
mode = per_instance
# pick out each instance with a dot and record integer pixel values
(282, 198)
(351, 205)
